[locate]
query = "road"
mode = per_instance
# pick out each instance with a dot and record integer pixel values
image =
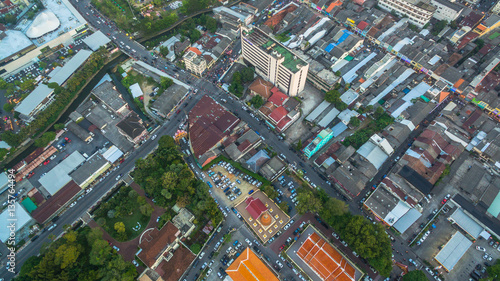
(72, 214)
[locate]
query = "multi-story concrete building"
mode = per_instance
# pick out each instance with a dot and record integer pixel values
(446, 10)
(273, 61)
(418, 12)
(194, 62)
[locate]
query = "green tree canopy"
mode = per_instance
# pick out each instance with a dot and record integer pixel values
(354, 121)
(45, 139)
(415, 275)
(257, 101)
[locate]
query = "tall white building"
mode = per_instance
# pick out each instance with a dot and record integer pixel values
(273, 61)
(418, 12)
(194, 62)
(445, 10)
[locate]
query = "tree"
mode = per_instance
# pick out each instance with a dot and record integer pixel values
(354, 121)
(8, 107)
(119, 227)
(166, 194)
(146, 210)
(59, 126)
(494, 270)
(194, 35)
(299, 144)
(438, 27)
(45, 139)
(284, 206)
(164, 51)
(166, 82)
(333, 97)
(211, 24)
(308, 202)
(195, 248)
(338, 73)
(378, 112)
(247, 74)
(42, 64)
(257, 101)
(415, 275)
(269, 191)
(3, 84)
(333, 208)
(53, 85)
(101, 221)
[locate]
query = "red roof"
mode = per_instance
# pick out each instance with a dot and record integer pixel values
(154, 241)
(282, 124)
(255, 207)
(209, 124)
(195, 50)
(362, 25)
(54, 203)
(278, 98)
(467, 38)
(278, 114)
(325, 260)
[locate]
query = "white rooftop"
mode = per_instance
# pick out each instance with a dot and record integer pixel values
(112, 154)
(14, 42)
(135, 90)
(58, 177)
(44, 23)
(36, 97)
(70, 67)
(453, 251)
(96, 40)
(20, 215)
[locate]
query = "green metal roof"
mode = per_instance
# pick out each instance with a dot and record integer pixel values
(291, 61)
(29, 205)
(494, 208)
(494, 35)
(425, 98)
(349, 58)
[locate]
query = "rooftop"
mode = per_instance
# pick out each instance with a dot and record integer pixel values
(453, 251)
(96, 40)
(93, 165)
(291, 61)
(249, 267)
(58, 177)
(20, 215)
(261, 87)
(34, 99)
(70, 67)
(154, 242)
(57, 201)
(108, 94)
(132, 126)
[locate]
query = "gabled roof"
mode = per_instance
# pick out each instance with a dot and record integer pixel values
(132, 126)
(278, 114)
(278, 98)
(248, 267)
(153, 242)
(255, 207)
(324, 260)
(262, 87)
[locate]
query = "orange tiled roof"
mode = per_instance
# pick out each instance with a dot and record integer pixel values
(333, 5)
(195, 50)
(248, 267)
(458, 83)
(443, 95)
(324, 260)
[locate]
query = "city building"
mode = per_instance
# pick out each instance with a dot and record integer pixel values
(209, 125)
(32, 161)
(319, 259)
(53, 205)
(132, 128)
(318, 142)
(80, 132)
(97, 40)
(273, 168)
(243, 144)
(418, 12)
(194, 61)
(92, 168)
(169, 44)
(261, 87)
(262, 215)
(164, 104)
(22, 219)
(163, 252)
(446, 10)
(453, 251)
(58, 177)
(110, 97)
(273, 61)
(249, 267)
(70, 67)
(38, 100)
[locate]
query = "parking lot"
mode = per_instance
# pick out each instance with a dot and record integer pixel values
(229, 185)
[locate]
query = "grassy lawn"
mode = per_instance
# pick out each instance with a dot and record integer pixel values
(127, 207)
(130, 222)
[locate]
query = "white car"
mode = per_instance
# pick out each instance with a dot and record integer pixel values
(248, 242)
(480, 249)
(72, 204)
(135, 263)
(154, 137)
(116, 248)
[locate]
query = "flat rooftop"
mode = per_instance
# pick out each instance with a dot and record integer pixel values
(292, 62)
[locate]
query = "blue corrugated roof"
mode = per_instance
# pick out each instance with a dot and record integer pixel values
(330, 47)
(338, 129)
